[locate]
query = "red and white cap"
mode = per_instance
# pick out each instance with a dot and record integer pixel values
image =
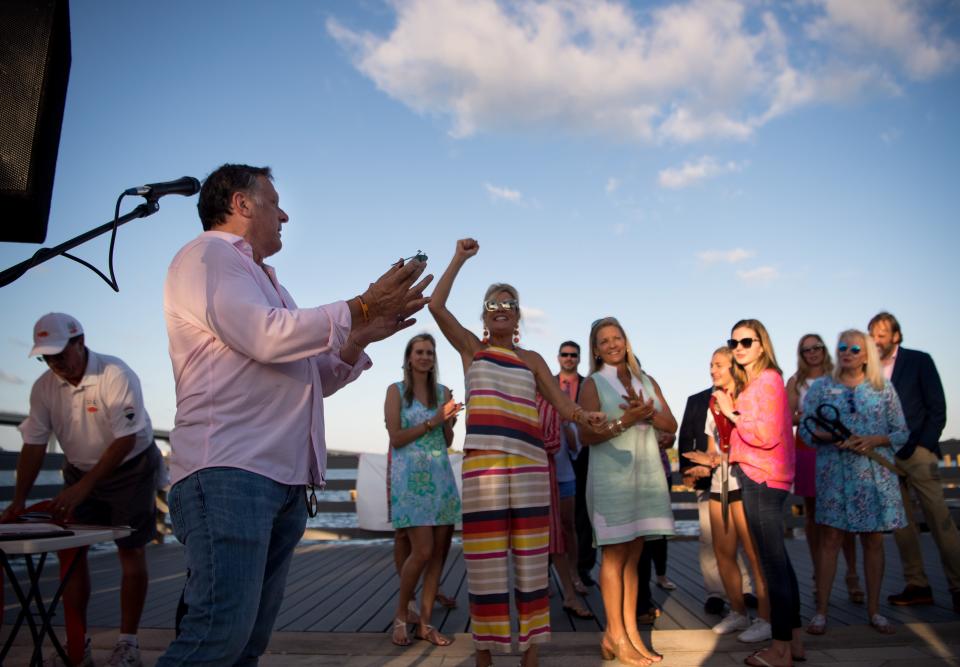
(52, 332)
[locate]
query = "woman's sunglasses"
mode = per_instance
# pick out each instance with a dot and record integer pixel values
(854, 349)
(745, 342)
(812, 348)
(493, 305)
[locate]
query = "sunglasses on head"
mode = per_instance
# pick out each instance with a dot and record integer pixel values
(812, 348)
(745, 342)
(570, 354)
(854, 349)
(492, 305)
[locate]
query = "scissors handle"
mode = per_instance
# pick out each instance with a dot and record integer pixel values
(815, 424)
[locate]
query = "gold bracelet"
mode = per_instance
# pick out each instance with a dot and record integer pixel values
(577, 414)
(364, 309)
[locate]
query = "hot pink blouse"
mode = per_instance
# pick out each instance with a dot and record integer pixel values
(762, 442)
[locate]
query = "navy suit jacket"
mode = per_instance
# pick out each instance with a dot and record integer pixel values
(691, 436)
(918, 384)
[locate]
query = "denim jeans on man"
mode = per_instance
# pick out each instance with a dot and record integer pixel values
(763, 507)
(239, 530)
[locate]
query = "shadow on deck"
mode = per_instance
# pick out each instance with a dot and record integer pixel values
(352, 587)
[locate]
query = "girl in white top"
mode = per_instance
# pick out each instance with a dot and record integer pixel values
(733, 531)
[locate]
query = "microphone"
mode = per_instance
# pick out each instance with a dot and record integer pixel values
(185, 186)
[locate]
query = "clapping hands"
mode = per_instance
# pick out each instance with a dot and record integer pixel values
(635, 408)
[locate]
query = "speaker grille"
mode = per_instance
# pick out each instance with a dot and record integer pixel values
(23, 73)
(34, 67)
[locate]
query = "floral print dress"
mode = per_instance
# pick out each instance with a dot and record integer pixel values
(423, 490)
(856, 494)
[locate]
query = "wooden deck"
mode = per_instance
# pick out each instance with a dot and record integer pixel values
(350, 587)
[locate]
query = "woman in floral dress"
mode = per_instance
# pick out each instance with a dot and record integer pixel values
(856, 493)
(424, 502)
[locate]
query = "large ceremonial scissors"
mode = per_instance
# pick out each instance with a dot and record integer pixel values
(826, 419)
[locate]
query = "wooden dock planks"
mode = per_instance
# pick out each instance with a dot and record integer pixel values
(352, 587)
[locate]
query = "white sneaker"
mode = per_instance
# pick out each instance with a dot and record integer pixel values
(125, 655)
(759, 631)
(55, 661)
(732, 622)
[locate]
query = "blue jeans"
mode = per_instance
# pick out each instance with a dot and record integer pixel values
(239, 530)
(763, 507)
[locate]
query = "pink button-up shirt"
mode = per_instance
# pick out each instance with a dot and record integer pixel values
(888, 364)
(762, 441)
(251, 369)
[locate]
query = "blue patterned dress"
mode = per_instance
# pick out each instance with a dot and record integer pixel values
(423, 490)
(856, 494)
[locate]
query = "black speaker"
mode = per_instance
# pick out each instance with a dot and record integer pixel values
(34, 68)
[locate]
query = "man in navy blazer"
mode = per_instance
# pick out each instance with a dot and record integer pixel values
(917, 382)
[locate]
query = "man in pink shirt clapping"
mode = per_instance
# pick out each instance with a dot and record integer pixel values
(251, 372)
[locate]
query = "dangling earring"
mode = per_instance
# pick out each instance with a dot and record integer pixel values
(486, 336)
(516, 335)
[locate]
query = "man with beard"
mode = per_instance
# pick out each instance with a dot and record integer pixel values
(917, 382)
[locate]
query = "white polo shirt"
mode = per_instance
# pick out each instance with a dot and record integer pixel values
(105, 406)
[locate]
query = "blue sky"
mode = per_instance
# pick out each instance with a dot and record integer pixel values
(679, 165)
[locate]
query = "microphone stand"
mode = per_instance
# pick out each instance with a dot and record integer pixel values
(14, 272)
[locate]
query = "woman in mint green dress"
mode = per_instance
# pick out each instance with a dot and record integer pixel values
(424, 502)
(627, 494)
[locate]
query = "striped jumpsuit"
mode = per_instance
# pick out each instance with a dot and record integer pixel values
(506, 501)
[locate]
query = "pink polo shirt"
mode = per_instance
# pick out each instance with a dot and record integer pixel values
(762, 441)
(251, 369)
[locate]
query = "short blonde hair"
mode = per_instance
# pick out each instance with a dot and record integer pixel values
(496, 288)
(872, 369)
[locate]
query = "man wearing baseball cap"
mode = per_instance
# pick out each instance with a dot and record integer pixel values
(93, 404)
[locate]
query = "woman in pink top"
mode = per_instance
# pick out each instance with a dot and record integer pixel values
(762, 448)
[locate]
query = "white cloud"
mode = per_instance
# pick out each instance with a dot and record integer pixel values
(727, 256)
(534, 320)
(761, 274)
(897, 28)
(613, 184)
(10, 379)
(681, 71)
(501, 193)
(620, 229)
(689, 173)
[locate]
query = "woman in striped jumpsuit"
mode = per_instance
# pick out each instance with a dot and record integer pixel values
(506, 493)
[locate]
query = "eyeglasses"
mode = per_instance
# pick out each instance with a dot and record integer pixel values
(747, 343)
(854, 349)
(812, 348)
(492, 306)
(570, 354)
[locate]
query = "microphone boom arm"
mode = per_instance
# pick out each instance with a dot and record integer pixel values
(43, 254)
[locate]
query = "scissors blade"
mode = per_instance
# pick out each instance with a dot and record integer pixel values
(725, 494)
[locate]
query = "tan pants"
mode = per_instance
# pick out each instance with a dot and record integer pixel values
(923, 475)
